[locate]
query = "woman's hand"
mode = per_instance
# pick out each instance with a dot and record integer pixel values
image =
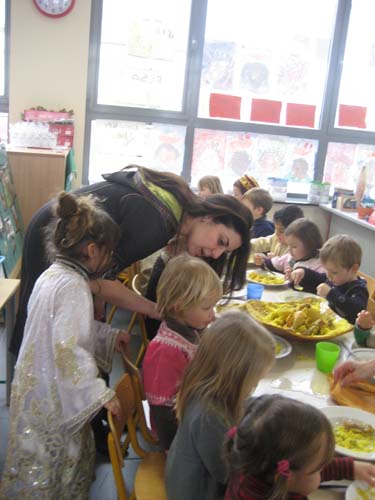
(364, 320)
(114, 406)
(122, 341)
(353, 371)
(364, 471)
(323, 290)
(259, 259)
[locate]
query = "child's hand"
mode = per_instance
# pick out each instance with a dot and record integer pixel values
(364, 471)
(259, 259)
(114, 406)
(122, 341)
(364, 320)
(323, 290)
(288, 273)
(297, 276)
(270, 255)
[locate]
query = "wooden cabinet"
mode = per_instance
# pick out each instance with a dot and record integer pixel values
(38, 175)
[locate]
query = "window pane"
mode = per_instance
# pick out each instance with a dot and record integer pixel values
(356, 104)
(269, 62)
(115, 144)
(4, 127)
(345, 162)
(230, 154)
(2, 47)
(143, 53)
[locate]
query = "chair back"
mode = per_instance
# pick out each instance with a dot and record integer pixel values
(370, 283)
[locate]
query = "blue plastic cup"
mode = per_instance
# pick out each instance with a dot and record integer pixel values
(254, 291)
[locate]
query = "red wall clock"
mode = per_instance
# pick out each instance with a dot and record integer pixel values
(54, 8)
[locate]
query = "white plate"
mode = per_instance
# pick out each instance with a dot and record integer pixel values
(286, 347)
(346, 412)
(228, 304)
(361, 354)
(352, 491)
(263, 271)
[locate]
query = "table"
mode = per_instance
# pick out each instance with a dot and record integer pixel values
(8, 289)
(296, 375)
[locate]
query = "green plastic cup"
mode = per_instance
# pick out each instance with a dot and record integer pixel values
(326, 355)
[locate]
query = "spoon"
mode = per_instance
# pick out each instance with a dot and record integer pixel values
(349, 351)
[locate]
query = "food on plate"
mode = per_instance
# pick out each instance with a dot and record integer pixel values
(225, 306)
(365, 494)
(354, 436)
(277, 348)
(266, 278)
(304, 317)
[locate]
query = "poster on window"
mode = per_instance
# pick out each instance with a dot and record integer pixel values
(218, 65)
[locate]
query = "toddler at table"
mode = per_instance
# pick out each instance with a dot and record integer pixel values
(282, 450)
(304, 241)
(275, 244)
(259, 202)
(346, 293)
(209, 185)
(57, 388)
(186, 295)
(234, 354)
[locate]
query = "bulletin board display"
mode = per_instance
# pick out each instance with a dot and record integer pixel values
(11, 224)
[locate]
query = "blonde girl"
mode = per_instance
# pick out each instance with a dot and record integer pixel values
(282, 450)
(234, 354)
(186, 295)
(57, 388)
(208, 185)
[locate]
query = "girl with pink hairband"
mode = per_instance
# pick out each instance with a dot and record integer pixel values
(282, 450)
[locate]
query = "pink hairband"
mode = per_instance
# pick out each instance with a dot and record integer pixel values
(283, 468)
(232, 432)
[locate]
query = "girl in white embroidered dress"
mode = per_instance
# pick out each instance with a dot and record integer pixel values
(57, 388)
(186, 295)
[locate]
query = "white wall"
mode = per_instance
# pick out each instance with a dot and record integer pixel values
(48, 64)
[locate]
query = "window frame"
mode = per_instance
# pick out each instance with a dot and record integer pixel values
(326, 132)
(4, 99)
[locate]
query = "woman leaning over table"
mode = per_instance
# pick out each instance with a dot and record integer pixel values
(151, 209)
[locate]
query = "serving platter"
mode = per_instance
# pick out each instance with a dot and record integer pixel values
(336, 414)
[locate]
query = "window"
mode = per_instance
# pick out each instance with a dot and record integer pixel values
(206, 86)
(4, 23)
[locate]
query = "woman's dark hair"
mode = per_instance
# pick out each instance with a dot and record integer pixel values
(78, 221)
(287, 215)
(308, 232)
(223, 209)
(276, 428)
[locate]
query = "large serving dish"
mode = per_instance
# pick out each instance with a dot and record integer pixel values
(359, 490)
(309, 319)
(338, 416)
(266, 278)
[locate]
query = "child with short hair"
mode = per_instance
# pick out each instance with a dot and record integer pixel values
(259, 202)
(187, 292)
(275, 245)
(57, 389)
(243, 184)
(282, 450)
(208, 185)
(346, 293)
(234, 354)
(364, 330)
(304, 241)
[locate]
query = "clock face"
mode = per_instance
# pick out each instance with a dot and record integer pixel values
(54, 8)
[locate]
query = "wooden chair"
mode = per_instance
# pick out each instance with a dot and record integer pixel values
(370, 283)
(149, 480)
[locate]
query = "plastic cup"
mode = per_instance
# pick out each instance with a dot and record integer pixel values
(254, 291)
(326, 355)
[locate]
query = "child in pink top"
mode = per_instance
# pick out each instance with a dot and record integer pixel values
(186, 295)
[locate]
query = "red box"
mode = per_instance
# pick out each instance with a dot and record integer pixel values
(35, 115)
(65, 133)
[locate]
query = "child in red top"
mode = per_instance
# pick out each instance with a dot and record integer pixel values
(186, 295)
(282, 450)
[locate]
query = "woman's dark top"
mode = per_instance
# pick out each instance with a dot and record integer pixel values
(146, 225)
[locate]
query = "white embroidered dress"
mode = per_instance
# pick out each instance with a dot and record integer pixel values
(57, 390)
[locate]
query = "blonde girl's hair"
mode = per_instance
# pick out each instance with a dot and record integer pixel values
(79, 221)
(259, 198)
(343, 250)
(186, 282)
(211, 182)
(274, 429)
(234, 353)
(308, 232)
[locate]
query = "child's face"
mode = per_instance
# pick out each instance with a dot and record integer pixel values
(237, 193)
(256, 211)
(279, 231)
(339, 275)
(201, 315)
(296, 247)
(204, 192)
(307, 480)
(99, 259)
